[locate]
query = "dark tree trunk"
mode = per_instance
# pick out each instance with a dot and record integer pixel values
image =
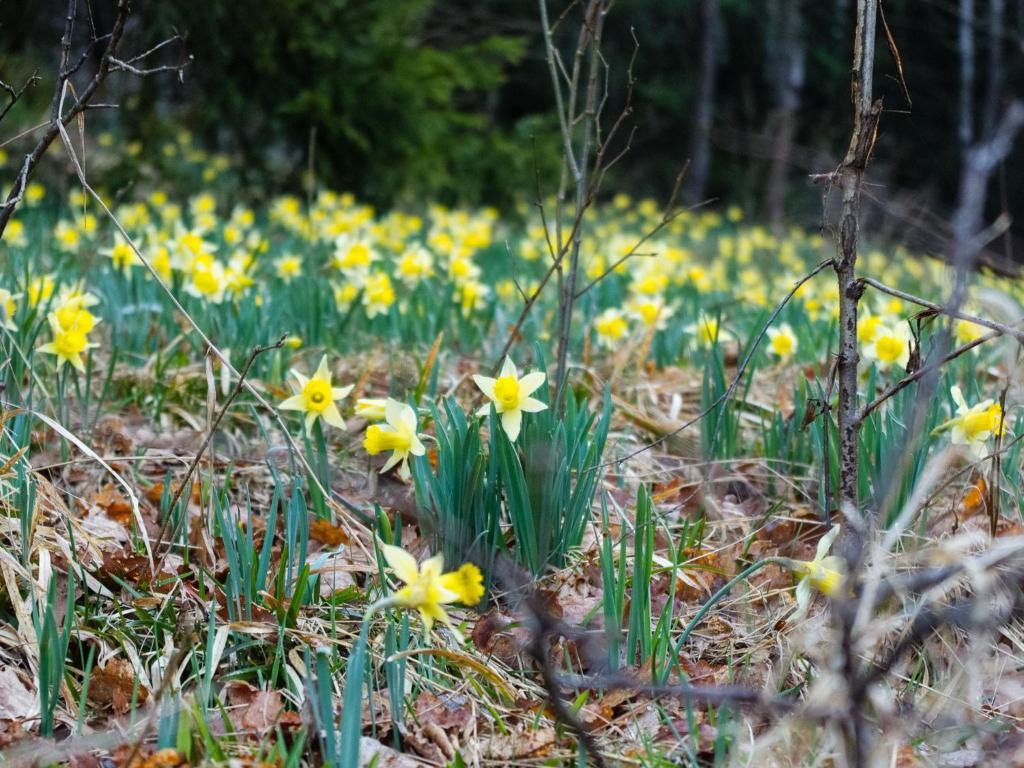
(994, 85)
(696, 183)
(785, 46)
(965, 48)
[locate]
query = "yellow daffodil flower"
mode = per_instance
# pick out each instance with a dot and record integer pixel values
(965, 331)
(471, 296)
(707, 330)
(824, 573)
(397, 435)
(40, 289)
(972, 426)
(14, 235)
(7, 309)
(208, 279)
(288, 267)
(511, 396)
(611, 328)
(122, 257)
(890, 346)
(34, 193)
(428, 589)
(782, 341)
(650, 310)
(378, 294)
(68, 344)
(316, 397)
(867, 326)
(415, 266)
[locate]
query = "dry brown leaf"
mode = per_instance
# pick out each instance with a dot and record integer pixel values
(17, 701)
(113, 686)
(450, 712)
(494, 634)
(100, 525)
(10, 732)
(520, 744)
(145, 758)
(327, 533)
(262, 713)
(114, 503)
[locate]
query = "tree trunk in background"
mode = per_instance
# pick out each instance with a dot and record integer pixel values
(994, 85)
(785, 47)
(965, 47)
(695, 186)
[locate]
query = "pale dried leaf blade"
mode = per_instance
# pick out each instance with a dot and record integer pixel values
(17, 702)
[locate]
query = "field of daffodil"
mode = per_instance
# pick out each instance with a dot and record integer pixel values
(275, 481)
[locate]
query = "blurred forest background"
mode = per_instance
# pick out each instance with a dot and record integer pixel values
(450, 100)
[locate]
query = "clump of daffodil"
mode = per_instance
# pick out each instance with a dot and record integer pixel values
(510, 396)
(316, 397)
(397, 434)
(974, 425)
(782, 341)
(889, 346)
(824, 573)
(428, 589)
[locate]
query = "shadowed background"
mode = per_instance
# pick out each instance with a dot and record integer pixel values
(413, 99)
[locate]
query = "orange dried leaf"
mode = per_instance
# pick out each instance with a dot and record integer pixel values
(327, 533)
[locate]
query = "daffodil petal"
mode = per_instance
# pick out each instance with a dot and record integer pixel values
(532, 405)
(293, 403)
(322, 371)
(333, 417)
(825, 542)
(486, 384)
(401, 562)
(511, 421)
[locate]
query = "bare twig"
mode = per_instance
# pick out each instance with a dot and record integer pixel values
(1000, 328)
(15, 94)
(58, 118)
